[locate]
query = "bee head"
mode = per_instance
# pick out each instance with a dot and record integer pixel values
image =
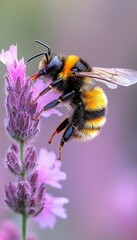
(49, 65)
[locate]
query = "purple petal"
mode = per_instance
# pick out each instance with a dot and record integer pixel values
(46, 98)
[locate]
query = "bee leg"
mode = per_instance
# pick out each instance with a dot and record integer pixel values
(59, 129)
(77, 121)
(65, 137)
(55, 102)
(51, 85)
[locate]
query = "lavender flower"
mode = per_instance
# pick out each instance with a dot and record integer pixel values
(19, 123)
(25, 198)
(20, 112)
(28, 196)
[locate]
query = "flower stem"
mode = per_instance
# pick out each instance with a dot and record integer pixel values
(24, 216)
(24, 226)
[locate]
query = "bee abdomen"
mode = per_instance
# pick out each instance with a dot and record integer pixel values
(94, 115)
(91, 128)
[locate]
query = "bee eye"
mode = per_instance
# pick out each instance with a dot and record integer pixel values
(55, 62)
(42, 72)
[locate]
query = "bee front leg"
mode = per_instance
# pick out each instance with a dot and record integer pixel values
(55, 102)
(45, 90)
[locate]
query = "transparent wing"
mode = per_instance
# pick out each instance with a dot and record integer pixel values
(112, 76)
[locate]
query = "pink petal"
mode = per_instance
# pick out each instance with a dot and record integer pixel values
(49, 169)
(58, 209)
(2, 57)
(53, 208)
(19, 71)
(10, 56)
(14, 67)
(47, 222)
(48, 113)
(13, 50)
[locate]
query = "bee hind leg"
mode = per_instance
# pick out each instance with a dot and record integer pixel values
(76, 122)
(62, 126)
(65, 137)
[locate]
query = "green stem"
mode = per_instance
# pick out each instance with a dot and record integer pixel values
(24, 217)
(24, 226)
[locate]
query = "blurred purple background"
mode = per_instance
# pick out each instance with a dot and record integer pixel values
(101, 174)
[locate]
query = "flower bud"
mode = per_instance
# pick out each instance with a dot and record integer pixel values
(30, 158)
(13, 162)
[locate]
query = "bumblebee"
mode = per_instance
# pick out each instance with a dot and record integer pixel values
(74, 79)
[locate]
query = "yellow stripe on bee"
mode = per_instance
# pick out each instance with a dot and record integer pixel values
(95, 123)
(86, 134)
(70, 62)
(94, 99)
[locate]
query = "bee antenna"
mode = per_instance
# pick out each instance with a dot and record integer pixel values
(37, 55)
(43, 44)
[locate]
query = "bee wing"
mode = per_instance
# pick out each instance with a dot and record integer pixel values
(112, 76)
